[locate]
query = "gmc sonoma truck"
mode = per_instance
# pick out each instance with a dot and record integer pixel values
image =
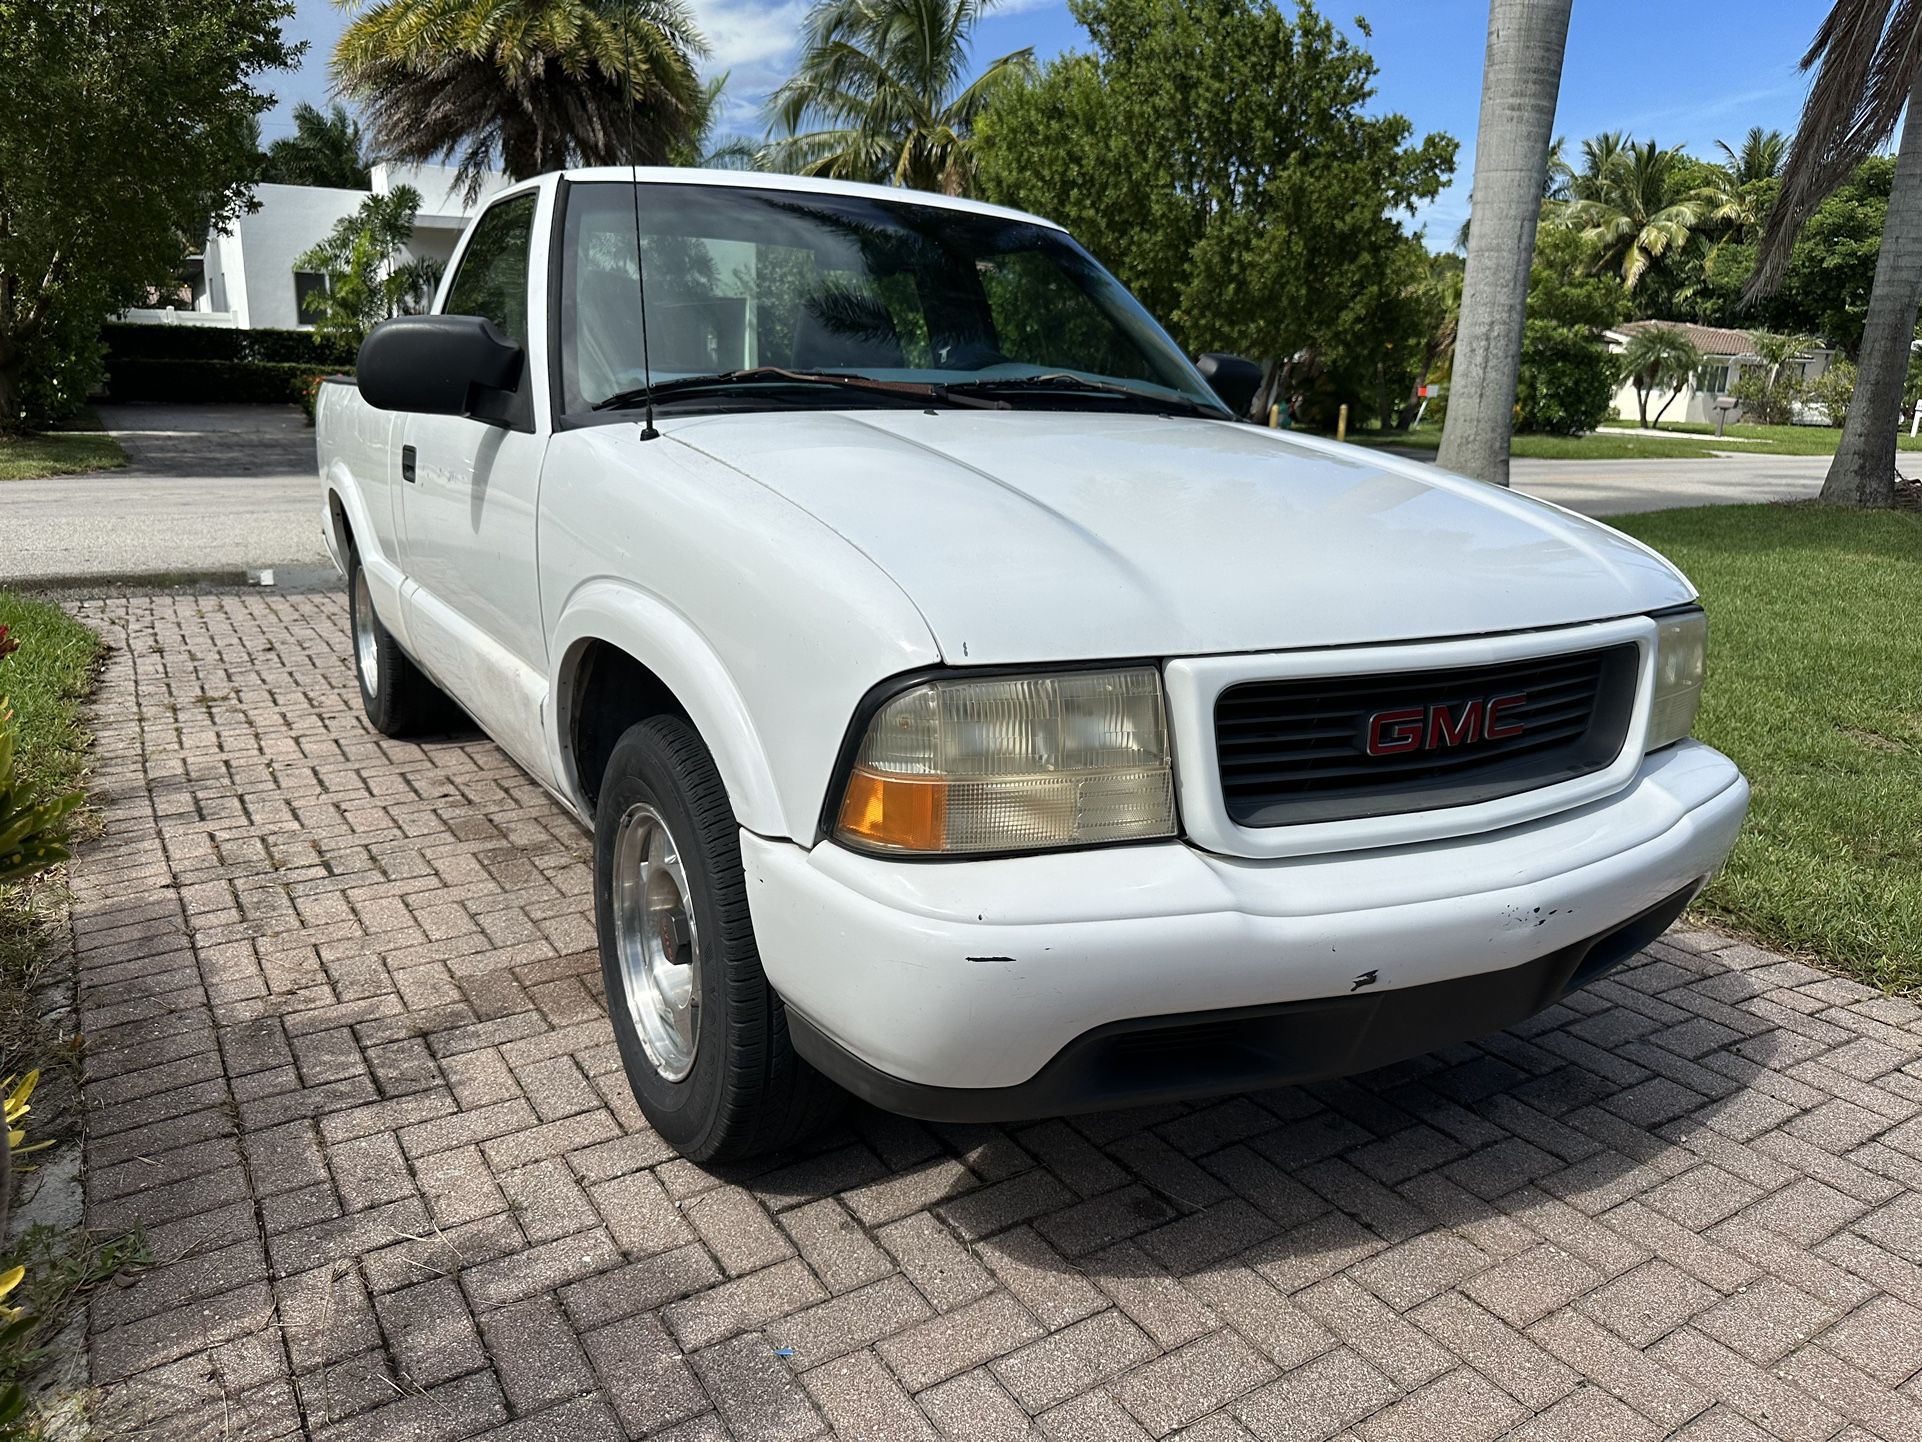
(973, 714)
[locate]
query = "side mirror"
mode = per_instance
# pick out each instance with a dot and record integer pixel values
(1232, 378)
(439, 365)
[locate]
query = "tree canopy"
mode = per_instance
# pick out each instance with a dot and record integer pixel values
(128, 126)
(881, 94)
(326, 149)
(1222, 158)
(524, 86)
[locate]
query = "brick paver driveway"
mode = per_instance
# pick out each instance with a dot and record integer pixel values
(347, 1064)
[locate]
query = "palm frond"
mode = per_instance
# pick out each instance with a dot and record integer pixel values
(1865, 57)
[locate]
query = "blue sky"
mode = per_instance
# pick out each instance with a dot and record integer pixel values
(1690, 75)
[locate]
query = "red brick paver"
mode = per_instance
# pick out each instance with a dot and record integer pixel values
(347, 1066)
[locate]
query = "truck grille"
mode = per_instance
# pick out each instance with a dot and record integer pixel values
(1298, 750)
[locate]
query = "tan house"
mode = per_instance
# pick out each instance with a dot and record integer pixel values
(1725, 354)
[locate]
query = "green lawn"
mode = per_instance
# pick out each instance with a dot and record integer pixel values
(1815, 688)
(63, 453)
(46, 681)
(1603, 445)
(1596, 446)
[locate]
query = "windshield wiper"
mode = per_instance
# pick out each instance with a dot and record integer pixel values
(1064, 383)
(779, 375)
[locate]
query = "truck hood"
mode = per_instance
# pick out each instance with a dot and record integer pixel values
(1035, 535)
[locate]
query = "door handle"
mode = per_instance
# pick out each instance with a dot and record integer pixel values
(407, 464)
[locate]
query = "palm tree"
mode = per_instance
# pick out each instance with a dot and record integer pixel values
(1631, 207)
(1761, 156)
(1521, 79)
(1659, 358)
(878, 94)
(1867, 71)
(523, 85)
(326, 148)
(700, 148)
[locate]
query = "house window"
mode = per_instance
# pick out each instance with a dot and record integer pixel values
(1713, 379)
(307, 283)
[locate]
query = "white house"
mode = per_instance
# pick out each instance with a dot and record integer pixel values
(1725, 354)
(245, 276)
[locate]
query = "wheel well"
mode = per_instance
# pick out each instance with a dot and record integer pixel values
(611, 692)
(343, 529)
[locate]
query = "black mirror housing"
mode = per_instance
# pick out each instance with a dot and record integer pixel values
(439, 365)
(1231, 377)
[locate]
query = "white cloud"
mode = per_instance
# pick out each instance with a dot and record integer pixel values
(755, 45)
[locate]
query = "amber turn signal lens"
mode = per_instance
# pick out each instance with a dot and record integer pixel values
(906, 813)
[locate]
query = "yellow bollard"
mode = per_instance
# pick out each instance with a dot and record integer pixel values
(1274, 416)
(1341, 425)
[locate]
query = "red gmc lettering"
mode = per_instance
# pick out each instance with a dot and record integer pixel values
(1434, 728)
(1496, 729)
(1392, 731)
(1446, 730)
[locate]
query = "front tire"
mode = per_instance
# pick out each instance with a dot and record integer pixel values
(702, 1035)
(399, 700)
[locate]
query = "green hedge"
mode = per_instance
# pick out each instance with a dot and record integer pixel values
(230, 382)
(223, 343)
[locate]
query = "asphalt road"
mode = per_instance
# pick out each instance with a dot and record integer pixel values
(209, 489)
(1614, 488)
(225, 489)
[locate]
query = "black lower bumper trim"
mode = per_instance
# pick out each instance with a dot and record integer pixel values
(1210, 1053)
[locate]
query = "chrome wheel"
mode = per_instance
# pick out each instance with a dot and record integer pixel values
(366, 644)
(654, 932)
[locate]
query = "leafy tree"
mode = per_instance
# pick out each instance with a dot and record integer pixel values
(1567, 376)
(1867, 57)
(325, 149)
(367, 282)
(881, 94)
(1659, 358)
(1520, 80)
(524, 86)
(1220, 156)
(127, 125)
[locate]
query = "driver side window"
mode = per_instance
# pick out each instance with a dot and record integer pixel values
(492, 279)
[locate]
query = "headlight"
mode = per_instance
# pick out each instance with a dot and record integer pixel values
(1681, 660)
(1016, 763)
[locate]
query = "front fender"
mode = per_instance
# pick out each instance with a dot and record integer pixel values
(667, 643)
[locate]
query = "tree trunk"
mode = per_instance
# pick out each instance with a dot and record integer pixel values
(1520, 81)
(1641, 405)
(9, 395)
(1863, 472)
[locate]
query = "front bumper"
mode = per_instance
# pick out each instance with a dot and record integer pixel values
(911, 981)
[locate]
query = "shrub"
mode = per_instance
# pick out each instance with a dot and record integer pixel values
(1567, 382)
(1834, 389)
(223, 343)
(307, 393)
(258, 382)
(1766, 402)
(60, 366)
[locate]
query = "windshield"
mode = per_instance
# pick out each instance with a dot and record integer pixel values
(743, 278)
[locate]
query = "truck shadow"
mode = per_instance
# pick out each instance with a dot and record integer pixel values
(1618, 1116)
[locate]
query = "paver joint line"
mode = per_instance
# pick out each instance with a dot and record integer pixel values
(347, 1066)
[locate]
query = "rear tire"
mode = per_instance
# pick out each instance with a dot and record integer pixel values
(399, 700)
(702, 1035)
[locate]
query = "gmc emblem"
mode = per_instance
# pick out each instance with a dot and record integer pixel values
(1437, 727)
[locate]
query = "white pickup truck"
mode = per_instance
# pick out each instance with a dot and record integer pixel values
(970, 712)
